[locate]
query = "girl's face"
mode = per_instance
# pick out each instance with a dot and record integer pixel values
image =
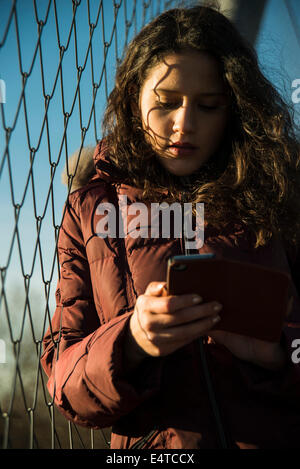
(184, 105)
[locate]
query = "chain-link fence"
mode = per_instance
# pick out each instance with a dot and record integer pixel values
(59, 58)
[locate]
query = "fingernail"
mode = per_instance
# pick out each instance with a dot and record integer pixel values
(197, 299)
(216, 319)
(218, 307)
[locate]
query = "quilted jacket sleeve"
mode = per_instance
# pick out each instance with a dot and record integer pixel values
(83, 358)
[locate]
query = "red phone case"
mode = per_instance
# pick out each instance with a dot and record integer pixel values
(254, 298)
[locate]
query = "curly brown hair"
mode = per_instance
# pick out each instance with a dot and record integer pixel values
(253, 179)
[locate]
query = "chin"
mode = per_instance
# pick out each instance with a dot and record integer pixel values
(182, 171)
(179, 167)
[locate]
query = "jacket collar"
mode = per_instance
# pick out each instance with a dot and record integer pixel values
(108, 172)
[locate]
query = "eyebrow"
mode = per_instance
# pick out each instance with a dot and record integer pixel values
(211, 93)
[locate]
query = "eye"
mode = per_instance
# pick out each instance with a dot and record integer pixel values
(174, 104)
(167, 104)
(207, 108)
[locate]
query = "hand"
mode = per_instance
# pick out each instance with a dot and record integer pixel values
(268, 355)
(161, 324)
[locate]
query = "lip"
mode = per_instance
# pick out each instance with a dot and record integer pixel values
(182, 148)
(183, 145)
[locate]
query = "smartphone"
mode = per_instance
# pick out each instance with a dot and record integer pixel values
(254, 298)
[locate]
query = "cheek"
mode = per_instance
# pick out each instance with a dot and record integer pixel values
(215, 129)
(158, 124)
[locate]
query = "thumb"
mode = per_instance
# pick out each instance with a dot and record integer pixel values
(156, 289)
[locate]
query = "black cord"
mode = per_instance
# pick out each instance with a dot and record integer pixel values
(212, 396)
(207, 377)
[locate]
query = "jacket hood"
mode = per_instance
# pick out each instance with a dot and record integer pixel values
(88, 163)
(104, 167)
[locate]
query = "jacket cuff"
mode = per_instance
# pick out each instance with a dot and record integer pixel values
(104, 371)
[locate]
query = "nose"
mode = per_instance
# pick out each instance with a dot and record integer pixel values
(184, 120)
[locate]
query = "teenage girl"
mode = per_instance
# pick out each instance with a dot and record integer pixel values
(191, 118)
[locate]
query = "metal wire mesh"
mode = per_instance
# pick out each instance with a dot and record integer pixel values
(61, 56)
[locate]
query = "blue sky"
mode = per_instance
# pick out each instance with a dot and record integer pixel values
(278, 46)
(27, 134)
(279, 54)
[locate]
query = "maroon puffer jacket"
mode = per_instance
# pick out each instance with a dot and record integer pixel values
(166, 399)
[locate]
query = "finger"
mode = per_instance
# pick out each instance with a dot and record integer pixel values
(191, 314)
(184, 316)
(167, 304)
(156, 289)
(186, 333)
